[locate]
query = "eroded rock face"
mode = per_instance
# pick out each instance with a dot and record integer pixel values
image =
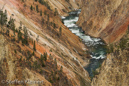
(114, 72)
(107, 19)
(115, 69)
(64, 6)
(73, 71)
(10, 71)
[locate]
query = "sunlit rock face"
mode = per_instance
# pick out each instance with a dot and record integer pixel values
(71, 59)
(64, 6)
(107, 19)
(114, 71)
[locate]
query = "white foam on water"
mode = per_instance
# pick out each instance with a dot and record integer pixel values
(78, 12)
(71, 20)
(98, 57)
(75, 31)
(89, 41)
(86, 38)
(72, 25)
(62, 17)
(79, 34)
(72, 13)
(96, 39)
(68, 24)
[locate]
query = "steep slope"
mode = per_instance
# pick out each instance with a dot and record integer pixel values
(10, 69)
(65, 50)
(114, 72)
(64, 6)
(107, 19)
(115, 69)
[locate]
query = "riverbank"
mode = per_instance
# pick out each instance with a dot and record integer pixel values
(96, 46)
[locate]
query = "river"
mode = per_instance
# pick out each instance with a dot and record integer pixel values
(96, 47)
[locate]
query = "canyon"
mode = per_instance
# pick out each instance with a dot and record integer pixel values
(114, 70)
(54, 54)
(109, 20)
(65, 52)
(65, 6)
(106, 19)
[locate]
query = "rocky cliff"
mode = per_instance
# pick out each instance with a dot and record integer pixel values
(114, 72)
(115, 69)
(10, 70)
(65, 57)
(107, 19)
(64, 6)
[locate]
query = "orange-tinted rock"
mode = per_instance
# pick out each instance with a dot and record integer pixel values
(64, 6)
(107, 19)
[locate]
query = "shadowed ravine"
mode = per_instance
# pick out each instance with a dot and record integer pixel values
(96, 47)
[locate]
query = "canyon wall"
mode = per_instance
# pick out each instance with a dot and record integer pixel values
(65, 52)
(114, 72)
(11, 70)
(107, 19)
(64, 6)
(115, 69)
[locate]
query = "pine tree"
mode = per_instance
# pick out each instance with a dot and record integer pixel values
(56, 12)
(43, 64)
(19, 35)
(34, 46)
(45, 56)
(60, 31)
(37, 9)
(11, 24)
(41, 58)
(47, 19)
(7, 32)
(14, 35)
(45, 12)
(55, 63)
(33, 53)
(54, 25)
(42, 22)
(31, 7)
(61, 68)
(41, 13)
(25, 35)
(20, 27)
(3, 17)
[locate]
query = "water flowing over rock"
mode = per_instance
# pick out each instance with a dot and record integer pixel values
(95, 45)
